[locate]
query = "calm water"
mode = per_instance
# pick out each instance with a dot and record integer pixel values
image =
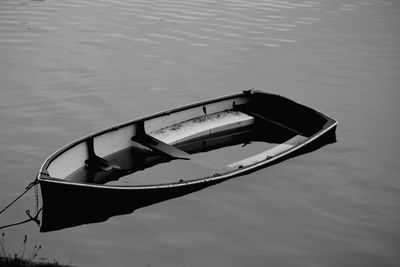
(68, 68)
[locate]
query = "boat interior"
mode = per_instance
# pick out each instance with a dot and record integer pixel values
(189, 143)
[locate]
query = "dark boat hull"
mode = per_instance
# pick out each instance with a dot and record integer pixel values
(93, 205)
(74, 195)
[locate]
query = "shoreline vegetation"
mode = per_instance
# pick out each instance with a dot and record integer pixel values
(19, 262)
(25, 256)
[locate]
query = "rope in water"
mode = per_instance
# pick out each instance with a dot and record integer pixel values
(31, 218)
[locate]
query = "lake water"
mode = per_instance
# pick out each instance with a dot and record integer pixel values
(68, 68)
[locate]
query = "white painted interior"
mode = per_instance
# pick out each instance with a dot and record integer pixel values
(114, 141)
(69, 161)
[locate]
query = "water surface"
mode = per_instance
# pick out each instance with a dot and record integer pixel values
(68, 68)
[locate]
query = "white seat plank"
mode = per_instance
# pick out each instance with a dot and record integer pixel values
(296, 140)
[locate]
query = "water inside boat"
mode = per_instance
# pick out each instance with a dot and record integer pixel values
(201, 147)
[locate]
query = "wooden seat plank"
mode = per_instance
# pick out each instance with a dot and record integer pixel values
(174, 152)
(160, 146)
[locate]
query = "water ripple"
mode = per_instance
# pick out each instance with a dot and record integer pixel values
(204, 22)
(72, 67)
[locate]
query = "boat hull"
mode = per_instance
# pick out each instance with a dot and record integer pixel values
(69, 205)
(91, 204)
(77, 181)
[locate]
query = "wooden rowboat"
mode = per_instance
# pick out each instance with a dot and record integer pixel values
(172, 153)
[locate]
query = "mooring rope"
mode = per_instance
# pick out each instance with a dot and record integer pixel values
(37, 211)
(31, 218)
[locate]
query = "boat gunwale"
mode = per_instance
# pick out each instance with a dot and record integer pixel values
(43, 175)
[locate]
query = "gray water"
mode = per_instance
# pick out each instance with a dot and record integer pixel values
(68, 68)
